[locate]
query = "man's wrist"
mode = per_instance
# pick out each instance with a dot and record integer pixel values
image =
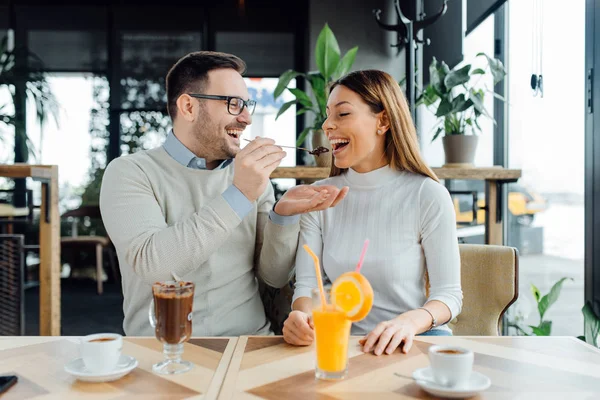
(250, 199)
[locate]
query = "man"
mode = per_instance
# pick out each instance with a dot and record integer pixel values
(188, 209)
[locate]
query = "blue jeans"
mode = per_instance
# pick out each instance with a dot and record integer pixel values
(435, 332)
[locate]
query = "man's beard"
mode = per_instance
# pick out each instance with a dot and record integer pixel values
(213, 140)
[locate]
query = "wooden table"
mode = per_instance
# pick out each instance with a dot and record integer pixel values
(49, 241)
(494, 177)
(39, 363)
(519, 367)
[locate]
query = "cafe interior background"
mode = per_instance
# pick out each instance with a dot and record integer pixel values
(83, 83)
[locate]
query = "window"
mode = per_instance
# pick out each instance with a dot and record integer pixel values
(282, 130)
(546, 140)
(69, 143)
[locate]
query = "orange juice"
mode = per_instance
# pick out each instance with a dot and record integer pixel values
(332, 330)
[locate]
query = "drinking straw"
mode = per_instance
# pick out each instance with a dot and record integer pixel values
(318, 272)
(362, 255)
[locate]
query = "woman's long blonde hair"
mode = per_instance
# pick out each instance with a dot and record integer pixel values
(382, 93)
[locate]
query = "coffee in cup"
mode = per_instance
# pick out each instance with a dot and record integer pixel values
(102, 339)
(101, 352)
(451, 365)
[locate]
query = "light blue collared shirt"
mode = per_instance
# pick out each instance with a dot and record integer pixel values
(234, 197)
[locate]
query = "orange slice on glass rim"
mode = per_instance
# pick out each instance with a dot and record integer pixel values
(352, 293)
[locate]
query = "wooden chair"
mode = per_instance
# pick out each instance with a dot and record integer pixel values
(12, 285)
(101, 244)
(490, 284)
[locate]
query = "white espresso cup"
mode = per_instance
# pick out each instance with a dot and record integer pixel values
(451, 365)
(100, 352)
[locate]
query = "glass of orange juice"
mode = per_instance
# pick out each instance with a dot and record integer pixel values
(332, 333)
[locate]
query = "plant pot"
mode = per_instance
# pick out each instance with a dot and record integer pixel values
(317, 139)
(460, 150)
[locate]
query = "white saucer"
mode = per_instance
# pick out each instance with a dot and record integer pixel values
(477, 383)
(125, 365)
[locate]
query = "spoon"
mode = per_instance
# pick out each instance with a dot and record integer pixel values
(316, 152)
(420, 379)
(177, 279)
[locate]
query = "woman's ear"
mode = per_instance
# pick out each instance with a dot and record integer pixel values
(383, 123)
(185, 107)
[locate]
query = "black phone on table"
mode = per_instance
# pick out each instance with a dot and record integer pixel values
(6, 382)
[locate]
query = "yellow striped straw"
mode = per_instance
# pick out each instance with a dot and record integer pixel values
(318, 272)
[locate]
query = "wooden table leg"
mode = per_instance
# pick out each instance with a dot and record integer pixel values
(50, 259)
(493, 227)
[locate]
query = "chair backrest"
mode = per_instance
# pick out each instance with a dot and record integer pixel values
(490, 276)
(12, 297)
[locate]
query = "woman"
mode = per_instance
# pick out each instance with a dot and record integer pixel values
(397, 202)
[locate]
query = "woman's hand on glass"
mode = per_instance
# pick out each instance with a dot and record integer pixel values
(298, 329)
(389, 335)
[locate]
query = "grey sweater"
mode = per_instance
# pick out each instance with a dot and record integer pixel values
(164, 217)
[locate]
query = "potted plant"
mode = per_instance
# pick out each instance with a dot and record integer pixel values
(331, 66)
(591, 322)
(543, 303)
(456, 99)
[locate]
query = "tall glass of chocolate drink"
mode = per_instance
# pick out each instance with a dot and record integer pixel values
(170, 315)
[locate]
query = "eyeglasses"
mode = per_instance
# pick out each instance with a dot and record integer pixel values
(235, 105)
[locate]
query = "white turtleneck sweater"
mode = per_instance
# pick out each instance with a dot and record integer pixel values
(410, 222)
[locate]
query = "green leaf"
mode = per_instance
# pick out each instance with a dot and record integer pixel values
(303, 111)
(284, 108)
(591, 325)
(436, 76)
(430, 96)
(302, 97)
(327, 52)
(451, 125)
(402, 82)
(551, 297)
(460, 104)
(496, 95)
(477, 123)
(476, 96)
(345, 63)
(317, 83)
(302, 136)
(478, 71)
(284, 81)
(444, 108)
(437, 133)
(543, 330)
(496, 66)
(458, 77)
(536, 293)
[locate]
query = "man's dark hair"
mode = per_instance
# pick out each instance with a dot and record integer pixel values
(190, 74)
